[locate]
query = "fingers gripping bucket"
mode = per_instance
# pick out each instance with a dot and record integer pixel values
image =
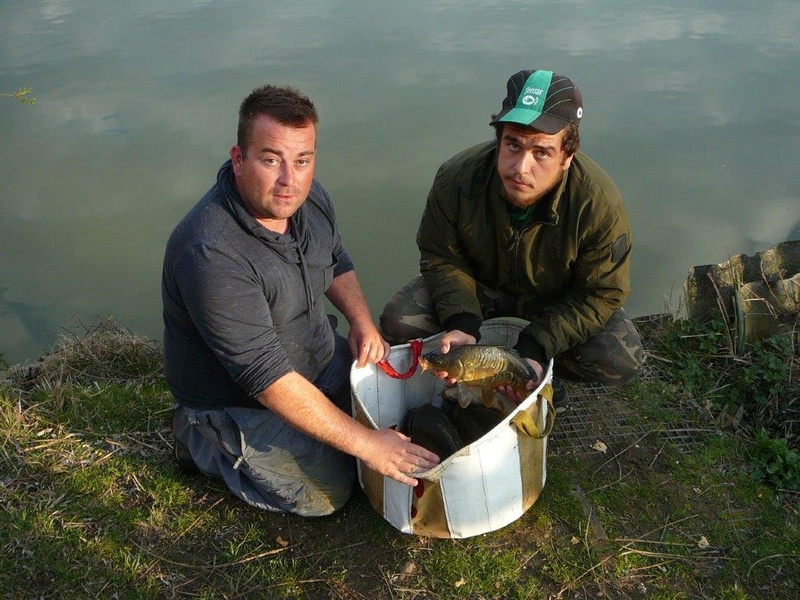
(482, 487)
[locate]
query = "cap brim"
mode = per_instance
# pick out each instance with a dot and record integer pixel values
(531, 118)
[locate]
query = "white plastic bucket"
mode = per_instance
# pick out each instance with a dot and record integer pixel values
(482, 487)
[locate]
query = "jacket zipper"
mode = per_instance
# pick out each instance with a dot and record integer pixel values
(514, 252)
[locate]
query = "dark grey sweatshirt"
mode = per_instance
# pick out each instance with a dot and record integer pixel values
(242, 305)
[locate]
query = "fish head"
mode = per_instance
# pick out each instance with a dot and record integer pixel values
(431, 361)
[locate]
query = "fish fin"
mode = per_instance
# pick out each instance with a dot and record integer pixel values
(487, 396)
(464, 399)
(450, 392)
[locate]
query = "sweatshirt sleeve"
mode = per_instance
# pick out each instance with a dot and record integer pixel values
(444, 264)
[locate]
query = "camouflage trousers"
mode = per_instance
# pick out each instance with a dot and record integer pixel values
(611, 357)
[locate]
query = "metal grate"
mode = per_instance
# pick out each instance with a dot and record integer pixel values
(596, 414)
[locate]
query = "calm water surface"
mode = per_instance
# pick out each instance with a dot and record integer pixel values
(692, 107)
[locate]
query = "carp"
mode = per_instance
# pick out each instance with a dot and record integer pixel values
(444, 431)
(486, 367)
(472, 422)
(428, 426)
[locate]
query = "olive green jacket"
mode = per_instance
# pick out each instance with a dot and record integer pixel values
(569, 262)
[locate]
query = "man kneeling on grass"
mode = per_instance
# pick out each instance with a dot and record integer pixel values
(259, 373)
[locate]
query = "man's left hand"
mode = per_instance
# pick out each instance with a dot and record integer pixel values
(366, 343)
(512, 394)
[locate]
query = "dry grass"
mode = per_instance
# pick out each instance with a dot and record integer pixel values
(102, 352)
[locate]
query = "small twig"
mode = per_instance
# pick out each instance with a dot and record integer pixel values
(769, 558)
(291, 582)
(197, 520)
(232, 563)
(627, 541)
(651, 356)
(611, 484)
(137, 483)
(590, 570)
(331, 550)
(106, 456)
(49, 443)
(529, 559)
(657, 565)
(656, 554)
(664, 526)
(141, 442)
(412, 590)
(387, 581)
(655, 458)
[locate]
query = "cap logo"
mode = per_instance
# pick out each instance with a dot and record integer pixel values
(534, 89)
(531, 96)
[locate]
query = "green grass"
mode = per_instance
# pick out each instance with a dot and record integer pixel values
(92, 505)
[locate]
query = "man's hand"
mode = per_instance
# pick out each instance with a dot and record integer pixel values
(364, 339)
(366, 343)
(512, 394)
(454, 338)
(449, 340)
(392, 454)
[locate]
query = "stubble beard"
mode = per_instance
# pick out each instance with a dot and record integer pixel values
(522, 201)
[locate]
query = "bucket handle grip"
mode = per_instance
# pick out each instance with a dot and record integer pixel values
(416, 350)
(525, 423)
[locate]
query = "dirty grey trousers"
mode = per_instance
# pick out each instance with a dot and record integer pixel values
(265, 461)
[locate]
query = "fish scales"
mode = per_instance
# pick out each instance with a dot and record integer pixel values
(481, 365)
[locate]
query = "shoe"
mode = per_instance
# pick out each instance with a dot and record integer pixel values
(181, 451)
(184, 457)
(560, 395)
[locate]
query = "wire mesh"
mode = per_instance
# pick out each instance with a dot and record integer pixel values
(596, 414)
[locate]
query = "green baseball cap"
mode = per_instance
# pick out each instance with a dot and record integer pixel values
(542, 100)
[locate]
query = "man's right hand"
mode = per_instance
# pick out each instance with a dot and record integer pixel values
(454, 338)
(392, 454)
(449, 340)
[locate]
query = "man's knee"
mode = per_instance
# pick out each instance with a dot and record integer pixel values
(409, 314)
(292, 472)
(619, 367)
(315, 494)
(613, 357)
(271, 466)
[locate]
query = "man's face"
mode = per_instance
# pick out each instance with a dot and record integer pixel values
(530, 164)
(274, 173)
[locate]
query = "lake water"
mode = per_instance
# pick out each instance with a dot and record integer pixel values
(691, 106)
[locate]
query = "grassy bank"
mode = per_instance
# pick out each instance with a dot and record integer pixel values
(94, 507)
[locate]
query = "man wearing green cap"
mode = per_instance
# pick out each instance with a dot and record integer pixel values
(527, 226)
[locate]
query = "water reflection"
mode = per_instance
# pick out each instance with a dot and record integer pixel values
(690, 106)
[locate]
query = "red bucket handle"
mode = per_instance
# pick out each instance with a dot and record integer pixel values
(416, 350)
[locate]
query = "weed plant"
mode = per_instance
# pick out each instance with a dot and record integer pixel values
(761, 385)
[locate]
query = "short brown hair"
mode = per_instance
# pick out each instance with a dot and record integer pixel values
(283, 103)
